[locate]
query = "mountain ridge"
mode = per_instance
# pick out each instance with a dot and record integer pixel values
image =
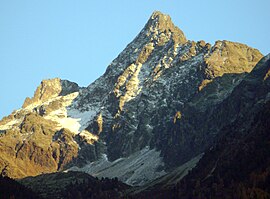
(152, 99)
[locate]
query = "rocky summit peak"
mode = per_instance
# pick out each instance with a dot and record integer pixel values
(47, 88)
(160, 15)
(50, 88)
(160, 23)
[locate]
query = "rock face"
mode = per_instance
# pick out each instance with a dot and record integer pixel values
(237, 165)
(230, 57)
(159, 96)
(243, 145)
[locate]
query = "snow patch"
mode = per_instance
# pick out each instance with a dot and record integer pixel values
(82, 117)
(9, 124)
(71, 119)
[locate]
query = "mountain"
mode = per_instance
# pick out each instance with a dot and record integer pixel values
(160, 104)
(238, 164)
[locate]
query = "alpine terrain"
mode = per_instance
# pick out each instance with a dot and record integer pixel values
(170, 116)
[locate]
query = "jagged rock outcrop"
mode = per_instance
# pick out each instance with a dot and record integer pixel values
(49, 89)
(153, 101)
(230, 57)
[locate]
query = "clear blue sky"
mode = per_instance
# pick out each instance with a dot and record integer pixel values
(77, 40)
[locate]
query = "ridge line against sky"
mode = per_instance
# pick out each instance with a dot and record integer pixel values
(77, 40)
